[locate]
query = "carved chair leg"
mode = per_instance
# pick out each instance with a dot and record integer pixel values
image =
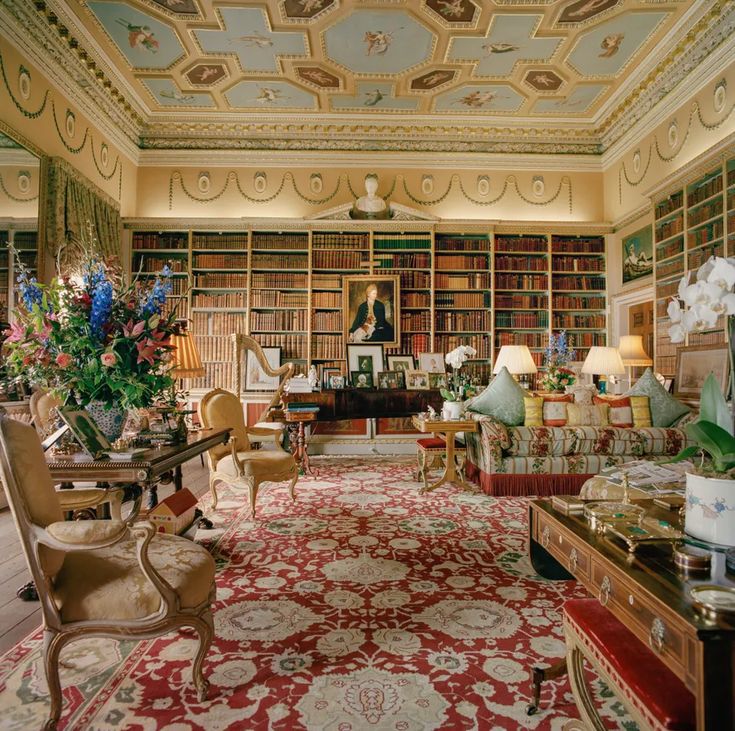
(52, 644)
(582, 696)
(418, 475)
(213, 490)
(252, 495)
(460, 461)
(540, 674)
(292, 486)
(205, 629)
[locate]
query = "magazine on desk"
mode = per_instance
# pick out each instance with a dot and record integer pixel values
(650, 476)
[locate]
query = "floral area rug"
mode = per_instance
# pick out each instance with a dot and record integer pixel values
(363, 605)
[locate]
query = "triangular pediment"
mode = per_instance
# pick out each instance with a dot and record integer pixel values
(398, 212)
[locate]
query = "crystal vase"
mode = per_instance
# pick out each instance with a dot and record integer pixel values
(109, 420)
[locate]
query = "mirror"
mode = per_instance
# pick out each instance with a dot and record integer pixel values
(20, 184)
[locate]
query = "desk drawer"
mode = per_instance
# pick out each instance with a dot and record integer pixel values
(659, 631)
(572, 554)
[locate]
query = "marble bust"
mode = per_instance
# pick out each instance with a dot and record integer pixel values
(370, 205)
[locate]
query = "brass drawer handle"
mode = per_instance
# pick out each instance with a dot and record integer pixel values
(545, 536)
(573, 559)
(605, 591)
(656, 635)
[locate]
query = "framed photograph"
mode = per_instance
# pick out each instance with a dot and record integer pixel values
(85, 431)
(694, 363)
(401, 363)
(359, 356)
(638, 254)
(432, 362)
(327, 374)
(256, 379)
(336, 382)
(362, 379)
(417, 380)
(371, 309)
(437, 380)
(391, 379)
(668, 384)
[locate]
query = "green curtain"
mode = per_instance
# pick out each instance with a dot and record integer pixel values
(76, 211)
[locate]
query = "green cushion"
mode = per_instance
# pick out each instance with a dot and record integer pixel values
(503, 399)
(665, 409)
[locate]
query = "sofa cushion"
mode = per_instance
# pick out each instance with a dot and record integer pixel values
(555, 409)
(503, 399)
(588, 414)
(534, 406)
(641, 409)
(665, 409)
(621, 410)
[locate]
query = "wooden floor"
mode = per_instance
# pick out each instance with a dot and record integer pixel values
(19, 618)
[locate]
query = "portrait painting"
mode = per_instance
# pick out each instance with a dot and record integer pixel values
(85, 430)
(432, 362)
(362, 379)
(401, 363)
(371, 309)
(365, 359)
(638, 254)
(694, 363)
(417, 380)
(256, 379)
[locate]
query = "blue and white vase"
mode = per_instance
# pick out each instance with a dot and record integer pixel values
(109, 420)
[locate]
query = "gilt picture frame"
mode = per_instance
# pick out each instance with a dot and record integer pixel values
(85, 430)
(371, 309)
(694, 363)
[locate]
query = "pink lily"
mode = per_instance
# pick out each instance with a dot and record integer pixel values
(146, 350)
(133, 331)
(15, 333)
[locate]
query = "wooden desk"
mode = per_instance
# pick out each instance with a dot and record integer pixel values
(447, 430)
(647, 594)
(144, 471)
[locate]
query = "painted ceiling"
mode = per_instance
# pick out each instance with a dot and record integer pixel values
(542, 62)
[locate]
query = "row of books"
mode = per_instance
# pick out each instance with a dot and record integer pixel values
(462, 281)
(221, 279)
(705, 212)
(455, 243)
(279, 320)
(669, 228)
(583, 283)
(713, 230)
(568, 321)
(462, 299)
(236, 240)
(218, 323)
(524, 301)
(340, 240)
(522, 281)
(280, 241)
(574, 264)
(522, 319)
(221, 261)
(274, 298)
(578, 245)
(521, 263)
(227, 300)
(474, 320)
(672, 203)
(277, 280)
(280, 261)
(708, 189)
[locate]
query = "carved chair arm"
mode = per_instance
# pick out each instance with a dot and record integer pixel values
(237, 461)
(277, 434)
(92, 497)
(143, 533)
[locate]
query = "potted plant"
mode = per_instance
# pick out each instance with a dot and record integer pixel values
(458, 388)
(93, 339)
(558, 354)
(710, 490)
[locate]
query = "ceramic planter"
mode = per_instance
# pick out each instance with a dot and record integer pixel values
(452, 410)
(710, 509)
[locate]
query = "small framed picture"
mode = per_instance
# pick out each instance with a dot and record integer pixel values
(401, 363)
(437, 380)
(431, 362)
(391, 379)
(365, 358)
(327, 374)
(256, 378)
(337, 382)
(85, 431)
(668, 384)
(694, 363)
(417, 380)
(362, 379)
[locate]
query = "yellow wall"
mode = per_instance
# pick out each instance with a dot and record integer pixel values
(15, 203)
(42, 120)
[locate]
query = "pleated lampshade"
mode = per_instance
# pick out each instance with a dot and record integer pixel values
(516, 358)
(186, 359)
(632, 352)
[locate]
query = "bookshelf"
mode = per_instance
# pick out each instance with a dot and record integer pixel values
(694, 221)
(25, 241)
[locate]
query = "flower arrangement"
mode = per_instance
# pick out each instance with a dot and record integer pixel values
(706, 299)
(557, 355)
(93, 337)
(459, 387)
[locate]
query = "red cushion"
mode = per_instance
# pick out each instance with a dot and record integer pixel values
(648, 683)
(621, 410)
(434, 443)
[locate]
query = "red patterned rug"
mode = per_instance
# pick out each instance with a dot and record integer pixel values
(362, 606)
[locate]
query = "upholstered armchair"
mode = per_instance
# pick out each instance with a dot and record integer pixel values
(241, 344)
(100, 577)
(237, 463)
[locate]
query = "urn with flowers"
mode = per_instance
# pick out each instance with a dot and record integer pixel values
(458, 387)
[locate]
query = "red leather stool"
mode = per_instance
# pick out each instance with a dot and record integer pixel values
(432, 449)
(654, 697)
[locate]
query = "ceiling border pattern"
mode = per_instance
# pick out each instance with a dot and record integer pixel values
(14, 197)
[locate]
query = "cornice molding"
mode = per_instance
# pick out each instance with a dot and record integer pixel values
(504, 161)
(625, 220)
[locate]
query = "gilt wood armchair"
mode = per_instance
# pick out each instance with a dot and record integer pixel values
(238, 464)
(107, 578)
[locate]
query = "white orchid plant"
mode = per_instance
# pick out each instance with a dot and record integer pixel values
(707, 299)
(456, 359)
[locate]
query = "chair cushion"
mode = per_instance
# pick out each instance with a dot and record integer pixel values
(436, 443)
(109, 584)
(643, 679)
(665, 409)
(260, 463)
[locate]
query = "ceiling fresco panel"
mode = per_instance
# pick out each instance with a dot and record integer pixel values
(206, 74)
(246, 33)
(378, 42)
(167, 94)
(510, 39)
(579, 101)
(269, 95)
(318, 77)
(480, 98)
(180, 7)
(144, 41)
(582, 11)
(432, 79)
(606, 50)
(454, 13)
(300, 10)
(378, 96)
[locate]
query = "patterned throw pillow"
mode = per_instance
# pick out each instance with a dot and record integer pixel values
(587, 414)
(641, 411)
(555, 409)
(503, 399)
(534, 406)
(582, 392)
(665, 409)
(621, 410)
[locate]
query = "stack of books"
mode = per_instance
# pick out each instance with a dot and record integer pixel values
(299, 384)
(302, 407)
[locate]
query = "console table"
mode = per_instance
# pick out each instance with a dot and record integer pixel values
(650, 597)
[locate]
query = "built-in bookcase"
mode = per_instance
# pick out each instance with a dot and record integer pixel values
(691, 224)
(25, 242)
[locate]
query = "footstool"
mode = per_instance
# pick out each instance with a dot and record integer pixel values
(432, 450)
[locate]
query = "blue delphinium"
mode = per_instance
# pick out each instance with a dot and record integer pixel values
(157, 296)
(29, 290)
(558, 352)
(101, 308)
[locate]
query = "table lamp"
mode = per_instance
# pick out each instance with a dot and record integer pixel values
(185, 357)
(632, 353)
(603, 361)
(517, 359)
